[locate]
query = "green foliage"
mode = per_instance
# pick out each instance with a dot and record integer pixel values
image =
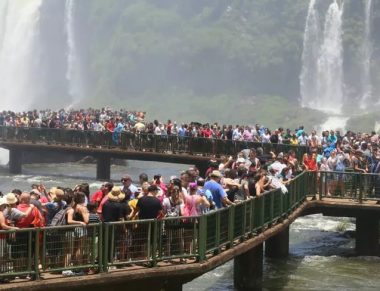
(179, 54)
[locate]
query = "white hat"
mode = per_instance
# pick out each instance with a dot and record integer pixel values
(10, 198)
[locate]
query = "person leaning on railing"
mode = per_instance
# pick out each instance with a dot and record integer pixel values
(219, 194)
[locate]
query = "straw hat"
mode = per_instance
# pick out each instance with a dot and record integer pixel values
(11, 198)
(116, 194)
(216, 174)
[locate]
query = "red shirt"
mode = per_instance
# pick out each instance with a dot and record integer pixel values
(26, 221)
(110, 126)
(310, 163)
(97, 196)
(206, 133)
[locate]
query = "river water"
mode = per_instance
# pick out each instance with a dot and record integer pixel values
(321, 248)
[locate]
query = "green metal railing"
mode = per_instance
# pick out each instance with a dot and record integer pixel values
(147, 242)
(140, 141)
(349, 185)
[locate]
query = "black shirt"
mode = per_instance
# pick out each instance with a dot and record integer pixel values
(113, 211)
(149, 207)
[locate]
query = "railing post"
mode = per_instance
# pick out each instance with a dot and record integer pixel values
(37, 254)
(217, 231)
(271, 209)
(231, 218)
(154, 243)
(106, 247)
(322, 182)
(262, 210)
(101, 262)
(361, 187)
(202, 235)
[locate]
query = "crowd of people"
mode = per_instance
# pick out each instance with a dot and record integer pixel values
(227, 181)
(337, 151)
(111, 120)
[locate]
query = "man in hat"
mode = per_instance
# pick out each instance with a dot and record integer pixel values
(113, 208)
(3, 221)
(11, 213)
(219, 195)
(128, 188)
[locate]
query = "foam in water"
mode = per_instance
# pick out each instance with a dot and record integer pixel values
(73, 73)
(367, 55)
(19, 53)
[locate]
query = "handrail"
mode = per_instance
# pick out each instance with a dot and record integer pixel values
(106, 245)
(140, 141)
(351, 185)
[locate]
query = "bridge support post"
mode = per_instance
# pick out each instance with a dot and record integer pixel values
(15, 161)
(367, 235)
(278, 246)
(103, 168)
(248, 269)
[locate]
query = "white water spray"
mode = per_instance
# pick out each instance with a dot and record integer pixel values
(330, 63)
(335, 123)
(19, 54)
(73, 72)
(311, 46)
(367, 56)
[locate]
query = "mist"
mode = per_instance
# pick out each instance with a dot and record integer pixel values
(213, 60)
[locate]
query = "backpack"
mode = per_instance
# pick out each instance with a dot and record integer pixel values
(60, 217)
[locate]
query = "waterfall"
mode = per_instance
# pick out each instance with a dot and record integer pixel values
(20, 84)
(311, 45)
(73, 72)
(321, 78)
(330, 63)
(367, 55)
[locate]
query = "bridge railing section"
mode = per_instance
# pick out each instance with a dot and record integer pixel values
(102, 247)
(349, 185)
(140, 141)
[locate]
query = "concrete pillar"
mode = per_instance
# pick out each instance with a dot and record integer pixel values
(103, 168)
(367, 235)
(278, 246)
(15, 161)
(248, 269)
(202, 167)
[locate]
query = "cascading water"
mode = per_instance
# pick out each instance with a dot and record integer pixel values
(73, 72)
(19, 54)
(311, 46)
(330, 63)
(321, 79)
(367, 55)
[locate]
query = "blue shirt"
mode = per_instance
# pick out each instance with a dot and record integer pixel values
(181, 131)
(217, 191)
